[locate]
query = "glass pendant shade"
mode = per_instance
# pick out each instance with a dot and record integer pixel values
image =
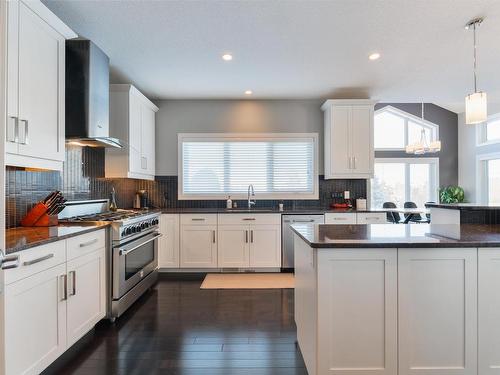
(476, 108)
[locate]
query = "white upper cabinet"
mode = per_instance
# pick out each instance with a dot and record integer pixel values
(349, 151)
(132, 120)
(35, 85)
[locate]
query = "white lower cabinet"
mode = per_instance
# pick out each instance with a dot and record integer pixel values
(357, 311)
(234, 246)
(489, 311)
(438, 311)
(35, 321)
(340, 218)
(168, 244)
(198, 246)
(86, 294)
(50, 303)
(355, 218)
(265, 246)
(249, 241)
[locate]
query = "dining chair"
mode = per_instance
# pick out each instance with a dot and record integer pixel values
(392, 217)
(415, 218)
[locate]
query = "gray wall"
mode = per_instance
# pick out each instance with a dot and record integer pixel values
(448, 134)
(238, 116)
(298, 116)
(468, 152)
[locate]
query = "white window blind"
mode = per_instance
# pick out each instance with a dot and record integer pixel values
(215, 166)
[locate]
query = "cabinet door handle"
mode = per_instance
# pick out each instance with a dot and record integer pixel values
(248, 218)
(25, 138)
(72, 274)
(84, 244)
(63, 279)
(213, 236)
(246, 236)
(354, 162)
(197, 219)
(13, 129)
(144, 162)
(251, 236)
(37, 260)
(350, 162)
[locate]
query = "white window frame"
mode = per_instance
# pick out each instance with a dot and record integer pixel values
(434, 128)
(481, 132)
(482, 175)
(407, 161)
(245, 137)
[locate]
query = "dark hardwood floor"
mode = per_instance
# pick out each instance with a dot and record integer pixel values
(179, 329)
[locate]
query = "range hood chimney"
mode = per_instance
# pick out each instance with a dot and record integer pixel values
(87, 95)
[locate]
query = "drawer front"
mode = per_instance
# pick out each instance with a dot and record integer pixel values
(86, 243)
(371, 217)
(198, 219)
(36, 260)
(340, 218)
(239, 219)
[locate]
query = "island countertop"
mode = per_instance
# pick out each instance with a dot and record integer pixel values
(464, 206)
(398, 235)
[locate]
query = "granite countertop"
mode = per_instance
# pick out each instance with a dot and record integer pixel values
(22, 238)
(464, 206)
(262, 210)
(395, 235)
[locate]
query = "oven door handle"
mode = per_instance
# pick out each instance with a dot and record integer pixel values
(125, 252)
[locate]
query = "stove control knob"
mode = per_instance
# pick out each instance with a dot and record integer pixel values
(124, 233)
(138, 228)
(146, 225)
(143, 226)
(128, 230)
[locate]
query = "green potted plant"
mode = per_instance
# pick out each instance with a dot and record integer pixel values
(452, 194)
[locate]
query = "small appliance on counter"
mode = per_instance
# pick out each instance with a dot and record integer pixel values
(44, 213)
(141, 200)
(361, 204)
(341, 200)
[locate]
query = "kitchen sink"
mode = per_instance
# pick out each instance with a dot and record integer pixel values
(247, 210)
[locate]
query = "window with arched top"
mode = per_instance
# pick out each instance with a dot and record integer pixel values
(394, 129)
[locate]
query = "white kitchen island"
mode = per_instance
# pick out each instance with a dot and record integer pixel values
(395, 299)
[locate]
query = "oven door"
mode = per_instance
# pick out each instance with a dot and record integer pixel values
(133, 261)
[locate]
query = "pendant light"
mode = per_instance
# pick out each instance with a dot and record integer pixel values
(475, 103)
(423, 147)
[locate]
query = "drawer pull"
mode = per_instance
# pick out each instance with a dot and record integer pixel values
(84, 244)
(340, 218)
(7, 261)
(249, 218)
(213, 236)
(198, 219)
(251, 236)
(38, 260)
(246, 236)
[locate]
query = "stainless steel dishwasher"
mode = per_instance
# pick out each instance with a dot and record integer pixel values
(287, 235)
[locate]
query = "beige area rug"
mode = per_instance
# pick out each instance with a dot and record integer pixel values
(248, 281)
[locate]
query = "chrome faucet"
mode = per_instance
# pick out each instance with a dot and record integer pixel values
(251, 202)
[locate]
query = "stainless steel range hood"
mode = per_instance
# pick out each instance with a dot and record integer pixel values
(87, 95)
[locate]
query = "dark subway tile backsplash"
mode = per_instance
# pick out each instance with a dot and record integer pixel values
(83, 178)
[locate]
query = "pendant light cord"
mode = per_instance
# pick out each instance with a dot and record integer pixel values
(475, 58)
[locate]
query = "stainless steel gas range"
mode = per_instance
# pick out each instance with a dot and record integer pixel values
(133, 256)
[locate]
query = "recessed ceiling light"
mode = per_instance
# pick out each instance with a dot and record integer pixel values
(374, 56)
(248, 92)
(227, 57)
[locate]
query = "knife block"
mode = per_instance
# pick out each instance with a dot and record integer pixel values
(38, 217)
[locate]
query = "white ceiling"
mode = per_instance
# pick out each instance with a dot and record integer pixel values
(295, 49)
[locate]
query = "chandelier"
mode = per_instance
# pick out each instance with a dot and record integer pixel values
(423, 146)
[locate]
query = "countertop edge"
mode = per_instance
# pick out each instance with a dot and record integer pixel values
(27, 246)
